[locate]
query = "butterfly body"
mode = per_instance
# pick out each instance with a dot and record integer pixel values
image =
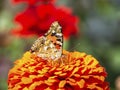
(49, 46)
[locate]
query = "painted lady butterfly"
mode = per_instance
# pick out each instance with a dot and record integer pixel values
(50, 45)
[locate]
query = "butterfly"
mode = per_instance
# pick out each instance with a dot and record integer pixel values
(49, 46)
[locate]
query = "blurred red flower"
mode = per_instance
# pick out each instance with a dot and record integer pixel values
(36, 20)
(32, 2)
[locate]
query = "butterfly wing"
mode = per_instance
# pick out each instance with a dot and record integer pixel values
(50, 45)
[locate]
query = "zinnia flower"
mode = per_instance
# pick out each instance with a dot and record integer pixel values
(73, 71)
(36, 20)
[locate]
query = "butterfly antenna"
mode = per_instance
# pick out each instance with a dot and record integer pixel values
(78, 44)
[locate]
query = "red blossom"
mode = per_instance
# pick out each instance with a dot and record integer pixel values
(31, 2)
(36, 20)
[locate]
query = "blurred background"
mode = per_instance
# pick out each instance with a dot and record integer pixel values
(99, 35)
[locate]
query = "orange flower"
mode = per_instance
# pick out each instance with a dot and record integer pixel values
(73, 71)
